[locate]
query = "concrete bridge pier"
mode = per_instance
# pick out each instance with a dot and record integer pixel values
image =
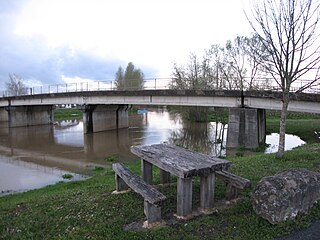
(3, 115)
(22, 116)
(97, 118)
(246, 127)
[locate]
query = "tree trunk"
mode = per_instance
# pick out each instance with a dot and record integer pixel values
(283, 119)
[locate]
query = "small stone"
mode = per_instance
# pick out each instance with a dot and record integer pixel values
(281, 197)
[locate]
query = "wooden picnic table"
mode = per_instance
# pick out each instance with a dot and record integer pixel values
(184, 164)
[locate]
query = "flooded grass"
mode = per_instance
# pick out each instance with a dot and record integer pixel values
(88, 210)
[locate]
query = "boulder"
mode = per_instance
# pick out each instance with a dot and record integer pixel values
(281, 197)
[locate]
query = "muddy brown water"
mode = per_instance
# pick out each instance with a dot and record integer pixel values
(32, 157)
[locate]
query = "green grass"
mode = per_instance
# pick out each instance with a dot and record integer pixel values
(67, 176)
(304, 128)
(88, 210)
(292, 115)
(112, 158)
(66, 114)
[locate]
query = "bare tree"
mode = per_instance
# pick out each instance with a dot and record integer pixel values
(195, 75)
(236, 57)
(288, 29)
(15, 86)
(255, 53)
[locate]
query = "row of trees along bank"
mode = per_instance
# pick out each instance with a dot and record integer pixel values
(283, 49)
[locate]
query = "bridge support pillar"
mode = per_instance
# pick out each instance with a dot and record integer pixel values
(3, 115)
(22, 116)
(246, 127)
(97, 118)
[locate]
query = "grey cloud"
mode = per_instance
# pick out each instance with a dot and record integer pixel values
(30, 58)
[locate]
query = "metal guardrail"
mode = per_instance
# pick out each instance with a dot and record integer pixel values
(148, 84)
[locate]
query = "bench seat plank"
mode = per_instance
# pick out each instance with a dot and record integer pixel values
(137, 184)
(234, 180)
(234, 183)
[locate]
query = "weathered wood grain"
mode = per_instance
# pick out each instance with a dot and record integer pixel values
(234, 180)
(137, 184)
(178, 161)
(234, 183)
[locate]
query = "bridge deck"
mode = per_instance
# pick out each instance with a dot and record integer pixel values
(210, 98)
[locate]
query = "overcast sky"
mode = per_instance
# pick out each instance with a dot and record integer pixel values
(56, 41)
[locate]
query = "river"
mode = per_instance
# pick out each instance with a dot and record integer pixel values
(32, 157)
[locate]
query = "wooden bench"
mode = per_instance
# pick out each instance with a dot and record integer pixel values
(234, 183)
(153, 199)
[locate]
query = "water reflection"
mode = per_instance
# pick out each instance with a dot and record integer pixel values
(291, 141)
(69, 132)
(208, 138)
(64, 146)
(20, 176)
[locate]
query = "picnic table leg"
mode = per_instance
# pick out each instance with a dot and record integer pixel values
(146, 171)
(164, 177)
(184, 197)
(207, 192)
(120, 184)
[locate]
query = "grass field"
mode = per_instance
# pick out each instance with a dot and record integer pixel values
(87, 209)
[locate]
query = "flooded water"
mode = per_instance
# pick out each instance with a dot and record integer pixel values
(32, 157)
(20, 176)
(291, 142)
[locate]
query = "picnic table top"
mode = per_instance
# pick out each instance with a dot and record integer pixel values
(179, 161)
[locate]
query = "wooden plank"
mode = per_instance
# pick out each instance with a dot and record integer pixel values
(178, 161)
(137, 184)
(234, 180)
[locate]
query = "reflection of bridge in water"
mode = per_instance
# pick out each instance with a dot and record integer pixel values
(66, 124)
(41, 145)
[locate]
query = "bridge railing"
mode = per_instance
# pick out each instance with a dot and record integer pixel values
(148, 84)
(151, 84)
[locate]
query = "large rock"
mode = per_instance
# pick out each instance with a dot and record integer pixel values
(281, 197)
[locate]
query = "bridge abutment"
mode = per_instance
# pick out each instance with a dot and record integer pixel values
(246, 127)
(22, 116)
(97, 118)
(3, 115)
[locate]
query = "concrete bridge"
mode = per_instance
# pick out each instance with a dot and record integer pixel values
(106, 110)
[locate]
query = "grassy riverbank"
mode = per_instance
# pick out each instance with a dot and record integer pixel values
(88, 210)
(66, 113)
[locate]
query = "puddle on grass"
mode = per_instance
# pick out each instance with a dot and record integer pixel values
(20, 176)
(291, 141)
